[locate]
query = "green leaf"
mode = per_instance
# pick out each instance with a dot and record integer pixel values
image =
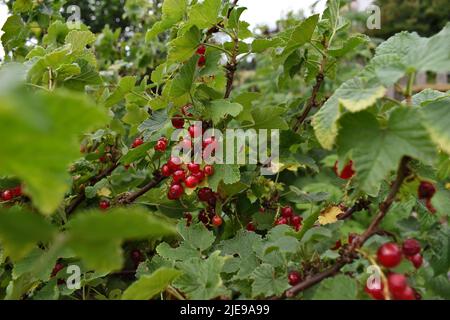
(183, 81)
(205, 14)
(20, 6)
(96, 237)
(50, 124)
(246, 101)
(15, 32)
(349, 45)
(172, 12)
(126, 85)
(377, 150)
(149, 286)
(156, 122)
(220, 109)
(56, 33)
(201, 278)
(136, 153)
(357, 94)
(269, 118)
(339, 287)
(418, 53)
(184, 46)
(227, 173)
(79, 40)
(21, 230)
(437, 121)
(197, 236)
(302, 34)
(267, 282)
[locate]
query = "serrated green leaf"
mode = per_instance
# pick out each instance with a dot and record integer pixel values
(20, 231)
(150, 285)
(126, 85)
(197, 236)
(172, 12)
(96, 237)
(205, 14)
(269, 118)
(339, 287)
(377, 150)
(437, 121)
(45, 121)
(201, 278)
(227, 173)
(184, 46)
(267, 282)
(183, 81)
(220, 109)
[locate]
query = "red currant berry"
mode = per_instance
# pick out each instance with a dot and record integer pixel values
(136, 256)
(7, 195)
(193, 167)
(337, 245)
(281, 221)
(251, 227)
(138, 142)
(17, 191)
(201, 61)
(179, 176)
(175, 192)
(185, 110)
(294, 278)
(199, 175)
(195, 131)
(201, 49)
(186, 144)
(104, 204)
(217, 221)
(351, 237)
(203, 217)
(347, 173)
(161, 145)
(208, 141)
(296, 220)
(287, 212)
(430, 206)
(417, 260)
(406, 294)
(191, 182)
(204, 194)
(209, 170)
(375, 292)
(178, 121)
(397, 283)
(174, 163)
(426, 190)
(166, 171)
(389, 255)
(411, 247)
(57, 268)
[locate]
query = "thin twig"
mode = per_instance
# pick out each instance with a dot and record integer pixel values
(82, 196)
(130, 198)
(312, 102)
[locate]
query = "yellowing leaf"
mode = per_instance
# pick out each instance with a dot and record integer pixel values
(104, 192)
(329, 215)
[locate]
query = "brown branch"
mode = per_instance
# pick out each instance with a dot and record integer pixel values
(359, 206)
(130, 198)
(82, 196)
(350, 253)
(231, 68)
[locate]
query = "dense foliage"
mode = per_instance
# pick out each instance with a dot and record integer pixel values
(87, 178)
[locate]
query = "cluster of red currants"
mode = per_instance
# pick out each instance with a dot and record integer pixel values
(347, 173)
(10, 194)
(426, 192)
(206, 216)
(390, 255)
(201, 50)
(191, 175)
(288, 217)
